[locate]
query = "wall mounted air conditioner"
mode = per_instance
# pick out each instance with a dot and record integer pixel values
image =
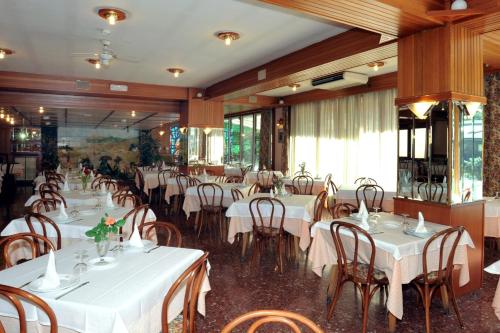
(340, 80)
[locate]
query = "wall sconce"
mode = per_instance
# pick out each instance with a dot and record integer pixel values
(207, 130)
(472, 108)
(161, 132)
(280, 124)
(183, 130)
(421, 109)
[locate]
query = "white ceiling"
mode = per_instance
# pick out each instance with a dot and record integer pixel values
(159, 33)
(390, 65)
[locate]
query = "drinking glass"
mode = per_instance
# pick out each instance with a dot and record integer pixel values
(405, 223)
(102, 249)
(81, 266)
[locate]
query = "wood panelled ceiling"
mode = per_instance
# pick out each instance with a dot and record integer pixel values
(491, 50)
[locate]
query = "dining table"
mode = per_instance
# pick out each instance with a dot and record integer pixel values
(398, 255)
(173, 187)
(74, 182)
(346, 193)
(251, 176)
(125, 296)
(232, 171)
(299, 213)
(76, 198)
(318, 184)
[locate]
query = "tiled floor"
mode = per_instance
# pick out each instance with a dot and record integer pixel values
(237, 287)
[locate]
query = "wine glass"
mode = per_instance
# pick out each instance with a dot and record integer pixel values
(81, 266)
(405, 223)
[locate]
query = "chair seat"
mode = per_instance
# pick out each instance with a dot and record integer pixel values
(379, 277)
(431, 276)
(268, 231)
(212, 209)
(175, 326)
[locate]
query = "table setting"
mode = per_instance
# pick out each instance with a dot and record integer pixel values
(192, 200)
(173, 187)
(347, 194)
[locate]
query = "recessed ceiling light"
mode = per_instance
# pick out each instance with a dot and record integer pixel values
(95, 62)
(41, 109)
(132, 113)
(376, 65)
(5, 52)
(112, 15)
(46, 117)
(175, 71)
(294, 86)
(227, 36)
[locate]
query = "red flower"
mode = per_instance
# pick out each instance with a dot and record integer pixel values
(86, 171)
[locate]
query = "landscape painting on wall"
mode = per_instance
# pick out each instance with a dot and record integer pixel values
(75, 144)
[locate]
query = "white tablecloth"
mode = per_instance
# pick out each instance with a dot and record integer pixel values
(398, 255)
(317, 186)
(232, 171)
(492, 217)
(192, 201)
(251, 176)
(75, 198)
(173, 187)
(347, 194)
(299, 211)
(124, 298)
(16, 169)
(150, 180)
(74, 183)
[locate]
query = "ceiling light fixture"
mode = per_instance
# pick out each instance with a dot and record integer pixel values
(228, 36)
(12, 121)
(41, 110)
(472, 108)
(5, 52)
(376, 65)
(175, 71)
(207, 130)
(95, 62)
(112, 15)
(132, 113)
(421, 109)
(162, 132)
(294, 86)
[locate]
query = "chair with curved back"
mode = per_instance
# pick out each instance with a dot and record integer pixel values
(234, 180)
(343, 209)
(304, 184)
(59, 178)
(245, 170)
(167, 231)
(49, 187)
(163, 177)
(365, 181)
(255, 188)
(96, 183)
(221, 179)
(265, 317)
(127, 199)
(34, 241)
(432, 191)
(44, 205)
(53, 195)
(319, 206)
(264, 230)
(191, 280)
(440, 275)
(373, 196)
(136, 216)
(110, 184)
(45, 223)
(211, 196)
(16, 296)
(352, 267)
(237, 194)
(183, 182)
(265, 180)
(289, 188)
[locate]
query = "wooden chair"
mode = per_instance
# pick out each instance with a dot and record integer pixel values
(365, 181)
(53, 195)
(255, 188)
(265, 231)
(319, 206)
(96, 183)
(264, 317)
(137, 215)
(127, 199)
(245, 170)
(303, 183)
(289, 188)
(191, 280)
(49, 187)
(433, 191)
(110, 184)
(34, 241)
(236, 194)
(365, 277)
(221, 179)
(45, 223)
(193, 181)
(211, 206)
(234, 180)
(373, 195)
(54, 176)
(163, 177)
(183, 182)
(265, 180)
(442, 277)
(45, 205)
(169, 232)
(342, 210)
(14, 296)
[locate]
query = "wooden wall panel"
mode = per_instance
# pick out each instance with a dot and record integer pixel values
(202, 113)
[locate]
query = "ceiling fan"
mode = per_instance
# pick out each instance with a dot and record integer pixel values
(104, 57)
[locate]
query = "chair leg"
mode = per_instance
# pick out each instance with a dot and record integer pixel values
(201, 221)
(427, 306)
(366, 304)
(336, 296)
(451, 294)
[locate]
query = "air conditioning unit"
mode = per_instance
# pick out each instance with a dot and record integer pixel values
(340, 80)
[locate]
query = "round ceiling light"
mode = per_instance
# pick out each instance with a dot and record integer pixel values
(95, 62)
(112, 15)
(175, 71)
(228, 36)
(5, 52)
(376, 65)
(294, 86)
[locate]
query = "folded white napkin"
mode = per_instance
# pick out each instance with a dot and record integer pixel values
(364, 223)
(421, 226)
(444, 180)
(66, 185)
(135, 240)
(204, 172)
(103, 188)
(91, 176)
(493, 268)
(80, 166)
(109, 201)
(271, 193)
(363, 212)
(51, 279)
(58, 170)
(62, 211)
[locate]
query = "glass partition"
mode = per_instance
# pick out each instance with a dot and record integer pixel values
(200, 146)
(445, 138)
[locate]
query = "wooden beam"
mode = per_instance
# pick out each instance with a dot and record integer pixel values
(86, 102)
(15, 81)
(483, 24)
(347, 50)
(376, 83)
(256, 101)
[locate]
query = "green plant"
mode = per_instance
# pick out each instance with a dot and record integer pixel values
(106, 225)
(148, 148)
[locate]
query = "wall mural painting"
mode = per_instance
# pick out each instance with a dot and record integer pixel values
(98, 147)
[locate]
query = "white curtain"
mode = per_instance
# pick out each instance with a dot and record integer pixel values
(350, 137)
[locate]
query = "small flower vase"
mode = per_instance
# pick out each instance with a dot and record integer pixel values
(84, 186)
(102, 247)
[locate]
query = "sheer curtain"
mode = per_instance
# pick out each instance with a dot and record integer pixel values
(350, 137)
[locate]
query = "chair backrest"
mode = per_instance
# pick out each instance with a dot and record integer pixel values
(289, 188)
(170, 233)
(33, 241)
(17, 296)
(255, 188)
(53, 195)
(342, 210)
(319, 205)
(57, 177)
(365, 181)
(373, 195)
(265, 178)
(259, 205)
(304, 183)
(138, 216)
(45, 223)
(110, 184)
(49, 187)
(44, 205)
(446, 252)
(245, 170)
(127, 199)
(191, 280)
(163, 177)
(234, 179)
(236, 194)
(210, 195)
(264, 317)
(193, 181)
(183, 182)
(352, 257)
(328, 179)
(96, 183)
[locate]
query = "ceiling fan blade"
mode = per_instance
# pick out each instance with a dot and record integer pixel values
(84, 54)
(130, 60)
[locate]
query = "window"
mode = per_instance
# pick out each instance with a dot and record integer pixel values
(174, 137)
(242, 139)
(403, 143)
(420, 142)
